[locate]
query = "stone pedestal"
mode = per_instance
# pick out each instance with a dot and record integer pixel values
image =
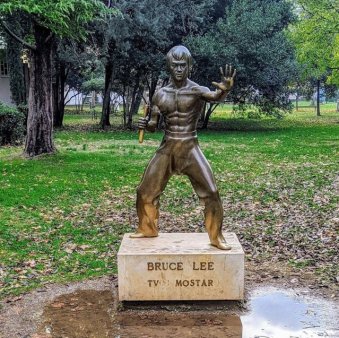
(180, 266)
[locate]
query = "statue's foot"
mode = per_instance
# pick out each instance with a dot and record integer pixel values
(221, 246)
(141, 235)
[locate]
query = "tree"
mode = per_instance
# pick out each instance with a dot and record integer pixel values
(134, 45)
(74, 63)
(15, 64)
(250, 36)
(49, 18)
(316, 36)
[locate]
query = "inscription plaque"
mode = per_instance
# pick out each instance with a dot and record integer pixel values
(165, 268)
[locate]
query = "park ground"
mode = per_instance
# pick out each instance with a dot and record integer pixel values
(62, 216)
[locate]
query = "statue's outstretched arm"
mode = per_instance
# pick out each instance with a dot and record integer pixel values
(223, 87)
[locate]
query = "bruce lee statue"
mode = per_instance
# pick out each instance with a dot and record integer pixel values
(180, 103)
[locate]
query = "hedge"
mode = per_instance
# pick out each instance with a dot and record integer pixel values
(11, 125)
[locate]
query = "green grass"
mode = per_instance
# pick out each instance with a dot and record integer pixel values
(62, 216)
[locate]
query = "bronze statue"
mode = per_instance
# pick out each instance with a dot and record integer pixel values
(181, 103)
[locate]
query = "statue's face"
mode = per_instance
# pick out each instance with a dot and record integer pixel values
(179, 69)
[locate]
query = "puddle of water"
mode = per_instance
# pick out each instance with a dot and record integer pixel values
(280, 314)
(272, 314)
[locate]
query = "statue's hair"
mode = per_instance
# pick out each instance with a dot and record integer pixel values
(179, 53)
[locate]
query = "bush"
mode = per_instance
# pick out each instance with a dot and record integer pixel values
(11, 125)
(23, 108)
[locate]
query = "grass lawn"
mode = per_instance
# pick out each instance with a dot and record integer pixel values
(62, 216)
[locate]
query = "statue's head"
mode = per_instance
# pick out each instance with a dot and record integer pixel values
(179, 62)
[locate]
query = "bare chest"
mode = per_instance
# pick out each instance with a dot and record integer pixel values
(179, 101)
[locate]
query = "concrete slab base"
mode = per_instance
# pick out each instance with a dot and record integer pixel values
(180, 266)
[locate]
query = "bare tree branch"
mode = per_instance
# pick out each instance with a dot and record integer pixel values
(69, 100)
(14, 36)
(49, 37)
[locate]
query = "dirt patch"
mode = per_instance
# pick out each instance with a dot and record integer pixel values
(88, 313)
(91, 309)
(281, 275)
(92, 314)
(21, 316)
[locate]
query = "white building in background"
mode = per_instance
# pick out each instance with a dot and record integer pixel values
(5, 92)
(75, 98)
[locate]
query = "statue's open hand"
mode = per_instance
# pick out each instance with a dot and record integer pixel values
(142, 123)
(227, 78)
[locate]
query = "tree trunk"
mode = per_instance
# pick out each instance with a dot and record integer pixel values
(318, 97)
(59, 94)
(125, 105)
(106, 104)
(152, 87)
(135, 99)
(203, 113)
(129, 116)
(40, 115)
(297, 101)
(63, 77)
(55, 93)
(208, 114)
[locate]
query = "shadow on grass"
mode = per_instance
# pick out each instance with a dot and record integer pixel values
(263, 125)
(247, 125)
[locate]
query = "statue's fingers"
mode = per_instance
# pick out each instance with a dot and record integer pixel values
(222, 71)
(215, 84)
(230, 71)
(226, 70)
(234, 72)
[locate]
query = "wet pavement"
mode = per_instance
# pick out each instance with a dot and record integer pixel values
(270, 313)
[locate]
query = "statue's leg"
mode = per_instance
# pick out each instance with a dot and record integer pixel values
(200, 174)
(152, 185)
